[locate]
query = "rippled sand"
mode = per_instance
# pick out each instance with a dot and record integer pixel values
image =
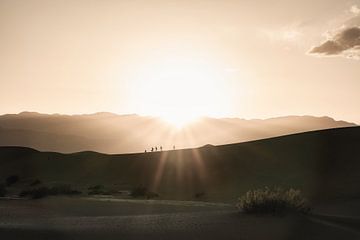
(82, 218)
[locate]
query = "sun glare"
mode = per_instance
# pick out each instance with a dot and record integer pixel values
(179, 118)
(180, 89)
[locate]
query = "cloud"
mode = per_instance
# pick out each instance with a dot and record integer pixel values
(355, 9)
(289, 34)
(329, 47)
(343, 42)
(346, 43)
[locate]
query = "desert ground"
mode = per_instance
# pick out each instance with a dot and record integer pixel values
(197, 191)
(99, 218)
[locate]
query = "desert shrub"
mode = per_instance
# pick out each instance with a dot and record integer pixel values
(2, 190)
(35, 182)
(46, 191)
(36, 192)
(199, 195)
(273, 201)
(11, 180)
(98, 190)
(63, 189)
(142, 191)
(139, 191)
(96, 187)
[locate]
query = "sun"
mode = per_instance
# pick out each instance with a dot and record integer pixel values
(180, 118)
(179, 88)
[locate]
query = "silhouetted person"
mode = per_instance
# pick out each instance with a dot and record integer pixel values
(152, 149)
(161, 148)
(145, 151)
(156, 149)
(174, 147)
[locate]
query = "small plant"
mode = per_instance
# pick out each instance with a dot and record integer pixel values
(273, 201)
(11, 180)
(63, 189)
(46, 191)
(2, 190)
(98, 190)
(142, 191)
(36, 193)
(199, 195)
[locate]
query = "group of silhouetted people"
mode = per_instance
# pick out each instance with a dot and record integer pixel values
(155, 149)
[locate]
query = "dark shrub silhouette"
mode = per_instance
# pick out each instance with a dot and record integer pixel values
(199, 195)
(96, 187)
(142, 191)
(2, 190)
(98, 190)
(11, 180)
(63, 189)
(46, 191)
(36, 193)
(273, 201)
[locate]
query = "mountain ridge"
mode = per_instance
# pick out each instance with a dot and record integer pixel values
(112, 133)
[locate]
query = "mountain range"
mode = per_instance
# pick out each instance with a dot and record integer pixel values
(112, 133)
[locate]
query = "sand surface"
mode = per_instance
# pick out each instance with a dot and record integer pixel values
(84, 218)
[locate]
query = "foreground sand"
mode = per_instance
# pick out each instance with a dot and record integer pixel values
(82, 218)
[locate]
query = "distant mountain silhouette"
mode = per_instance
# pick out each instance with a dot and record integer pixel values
(112, 133)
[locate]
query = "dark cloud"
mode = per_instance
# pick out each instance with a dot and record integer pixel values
(346, 43)
(329, 47)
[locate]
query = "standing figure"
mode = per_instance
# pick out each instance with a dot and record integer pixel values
(174, 147)
(152, 149)
(161, 148)
(156, 149)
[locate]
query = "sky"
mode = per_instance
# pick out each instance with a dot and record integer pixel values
(181, 58)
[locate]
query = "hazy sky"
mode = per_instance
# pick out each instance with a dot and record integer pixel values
(249, 58)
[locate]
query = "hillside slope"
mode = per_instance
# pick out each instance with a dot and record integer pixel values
(325, 164)
(112, 133)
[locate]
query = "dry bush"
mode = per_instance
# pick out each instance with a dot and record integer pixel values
(273, 201)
